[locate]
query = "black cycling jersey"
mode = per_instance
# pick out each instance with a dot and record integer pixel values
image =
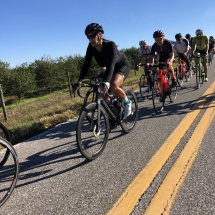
(211, 44)
(165, 49)
(109, 57)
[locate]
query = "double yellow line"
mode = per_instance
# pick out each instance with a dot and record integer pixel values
(162, 201)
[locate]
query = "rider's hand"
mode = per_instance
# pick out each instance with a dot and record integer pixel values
(205, 55)
(137, 67)
(147, 66)
(104, 87)
(76, 86)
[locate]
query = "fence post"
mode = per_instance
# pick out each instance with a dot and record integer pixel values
(70, 90)
(3, 104)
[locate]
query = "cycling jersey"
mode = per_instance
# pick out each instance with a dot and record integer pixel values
(200, 45)
(211, 44)
(182, 47)
(147, 51)
(109, 57)
(165, 49)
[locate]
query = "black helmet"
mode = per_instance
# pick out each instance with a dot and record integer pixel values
(94, 28)
(158, 33)
(211, 37)
(178, 36)
(187, 36)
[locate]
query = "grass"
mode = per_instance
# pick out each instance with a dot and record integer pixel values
(30, 117)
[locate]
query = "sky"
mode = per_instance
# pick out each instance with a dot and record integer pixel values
(32, 29)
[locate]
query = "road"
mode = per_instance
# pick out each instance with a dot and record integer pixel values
(55, 179)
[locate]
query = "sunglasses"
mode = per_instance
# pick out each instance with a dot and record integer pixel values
(91, 36)
(178, 39)
(198, 35)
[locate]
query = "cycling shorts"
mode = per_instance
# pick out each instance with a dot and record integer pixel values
(124, 70)
(202, 52)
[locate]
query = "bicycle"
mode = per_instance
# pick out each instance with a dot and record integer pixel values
(182, 72)
(147, 82)
(199, 71)
(162, 88)
(4, 133)
(90, 139)
(8, 173)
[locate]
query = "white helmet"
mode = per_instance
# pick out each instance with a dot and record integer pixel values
(199, 31)
(143, 43)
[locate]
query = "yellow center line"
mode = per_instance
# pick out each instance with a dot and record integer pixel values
(164, 198)
(127, 201)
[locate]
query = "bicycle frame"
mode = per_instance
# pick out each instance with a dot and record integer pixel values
(181, 62)
(162, 75)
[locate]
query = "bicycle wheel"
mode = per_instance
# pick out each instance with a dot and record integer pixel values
(4, 133)
(187, 74)
(158, 100)
(198, 76)
(91, 143)
(172, 92)
(9, 172)
(202, 75)
(179, 75)
(129, 122)
(144, 87)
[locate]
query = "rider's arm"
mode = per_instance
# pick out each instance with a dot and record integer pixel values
(171, 57)
(187, 45)
(193, 47)
(151, 59)
(110, 61)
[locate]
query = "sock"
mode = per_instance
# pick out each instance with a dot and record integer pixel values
(126, 101)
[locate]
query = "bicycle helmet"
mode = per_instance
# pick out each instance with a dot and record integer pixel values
(178, 36)
(187, 36)
(211, 37)
(158, 33)
(143, 43)
(94, 28)
(199, 31)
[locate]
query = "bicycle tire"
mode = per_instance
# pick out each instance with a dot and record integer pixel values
(145, 88)
(179, 75)
(202, 75)
(8, 173)
(172, 92)
(158, 100)
(129, 122)
(187, 74)
(4, 133)
(198, 76)
(89, 147)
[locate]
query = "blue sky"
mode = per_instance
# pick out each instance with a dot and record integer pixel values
(31, 29)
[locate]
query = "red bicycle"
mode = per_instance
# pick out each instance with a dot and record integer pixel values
(162, 88)
(182, 72)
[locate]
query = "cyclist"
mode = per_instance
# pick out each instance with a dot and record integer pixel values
(165, 50)
(114, 63)
(145, 49)
(182, 45)
(190, 39)
(200, 45)
(211, 44)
